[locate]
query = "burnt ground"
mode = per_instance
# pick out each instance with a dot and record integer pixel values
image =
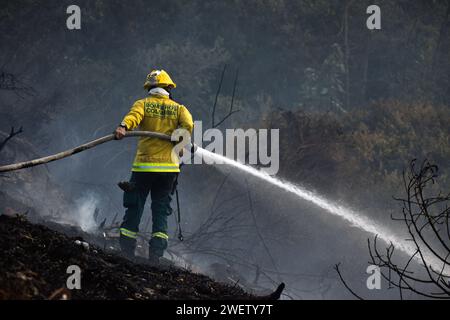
(34, 261)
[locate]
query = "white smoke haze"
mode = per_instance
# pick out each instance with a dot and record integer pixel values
(83, 213)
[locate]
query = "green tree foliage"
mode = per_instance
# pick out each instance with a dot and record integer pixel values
(361, 155)
(295, 51)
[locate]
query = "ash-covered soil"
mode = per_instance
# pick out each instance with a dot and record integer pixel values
(34, 261)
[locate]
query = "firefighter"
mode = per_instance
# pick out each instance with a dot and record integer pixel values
(154, 170)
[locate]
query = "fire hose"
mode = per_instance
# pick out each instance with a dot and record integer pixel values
(89, 145)
(83, 147)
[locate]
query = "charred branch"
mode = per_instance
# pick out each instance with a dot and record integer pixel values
(11, 135)
(426, 218)
(11, 82)
(230, 111)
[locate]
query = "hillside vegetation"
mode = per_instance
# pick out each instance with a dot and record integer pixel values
(360, 156)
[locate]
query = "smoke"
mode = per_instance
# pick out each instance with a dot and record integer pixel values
(83, 214)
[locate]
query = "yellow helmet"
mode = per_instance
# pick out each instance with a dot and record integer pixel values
(159, 78)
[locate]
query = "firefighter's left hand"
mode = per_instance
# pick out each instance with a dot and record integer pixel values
(120, 132)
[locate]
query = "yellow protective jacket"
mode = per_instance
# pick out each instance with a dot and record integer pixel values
(157, 113)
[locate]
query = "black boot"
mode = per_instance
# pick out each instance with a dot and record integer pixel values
(153, 258)
(127, 246)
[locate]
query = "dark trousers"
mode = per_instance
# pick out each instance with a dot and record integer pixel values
(159, 185)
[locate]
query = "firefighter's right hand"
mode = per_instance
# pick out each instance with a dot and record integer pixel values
(120, 132)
